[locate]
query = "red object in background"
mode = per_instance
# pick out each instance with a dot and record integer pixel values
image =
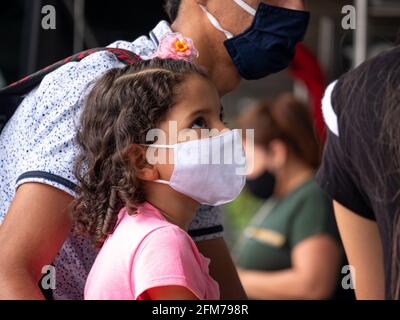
(306, 68)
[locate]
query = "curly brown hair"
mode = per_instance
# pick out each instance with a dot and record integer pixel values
(122, 107)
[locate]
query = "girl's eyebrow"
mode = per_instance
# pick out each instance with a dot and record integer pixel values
(200, 109)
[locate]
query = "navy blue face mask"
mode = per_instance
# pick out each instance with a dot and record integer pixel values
(268, 45)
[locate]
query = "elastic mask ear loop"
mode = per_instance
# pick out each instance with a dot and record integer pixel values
(246, 7)
(168, 146)
(162, 181)
(215, 22)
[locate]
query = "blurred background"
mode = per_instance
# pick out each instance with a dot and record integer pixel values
(328, 51)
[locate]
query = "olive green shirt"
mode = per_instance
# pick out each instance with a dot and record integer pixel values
(280, 224)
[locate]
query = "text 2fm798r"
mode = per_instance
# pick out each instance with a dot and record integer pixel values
(208, 309)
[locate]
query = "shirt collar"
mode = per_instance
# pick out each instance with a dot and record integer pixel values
(162, 28)
(145, 46)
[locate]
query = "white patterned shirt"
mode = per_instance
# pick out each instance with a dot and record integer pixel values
(38, 145)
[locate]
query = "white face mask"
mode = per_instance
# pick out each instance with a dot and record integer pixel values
(210, 171)
(216, 23)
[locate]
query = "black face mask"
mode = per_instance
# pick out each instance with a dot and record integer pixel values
(263, 186)
(268, 46)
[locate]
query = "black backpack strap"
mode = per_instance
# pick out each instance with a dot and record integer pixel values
(25, 85)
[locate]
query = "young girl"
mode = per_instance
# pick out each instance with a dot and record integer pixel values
(137, 211)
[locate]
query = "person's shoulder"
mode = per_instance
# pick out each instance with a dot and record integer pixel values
(169, 238)
(313, 212)
(171, 234)
(81, 72)
(312, 187)
(310, 199)
(61, 94)
(313, 193)
(166, 242)
(150, 222)
(307, 189)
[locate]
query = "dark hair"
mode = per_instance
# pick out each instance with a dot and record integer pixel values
(172, 8)
(119, 111)
(288, 120)
(369, 109)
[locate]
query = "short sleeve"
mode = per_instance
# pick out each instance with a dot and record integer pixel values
(337, 175)
(314, 217)
(335, 178)
(167, 257)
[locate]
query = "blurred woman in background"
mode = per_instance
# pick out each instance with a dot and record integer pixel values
(290, 249)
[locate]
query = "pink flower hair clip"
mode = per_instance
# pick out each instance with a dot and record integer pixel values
(176, 46)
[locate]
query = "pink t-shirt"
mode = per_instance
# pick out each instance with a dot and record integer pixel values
(147, 251)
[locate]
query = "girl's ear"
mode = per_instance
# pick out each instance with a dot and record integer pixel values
(144, 170)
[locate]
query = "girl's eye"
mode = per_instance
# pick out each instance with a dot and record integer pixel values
(199, 123)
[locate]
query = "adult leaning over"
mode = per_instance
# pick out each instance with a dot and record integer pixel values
(38, 147)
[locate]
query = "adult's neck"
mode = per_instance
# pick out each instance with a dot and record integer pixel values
(212, 54)
(292, 176)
